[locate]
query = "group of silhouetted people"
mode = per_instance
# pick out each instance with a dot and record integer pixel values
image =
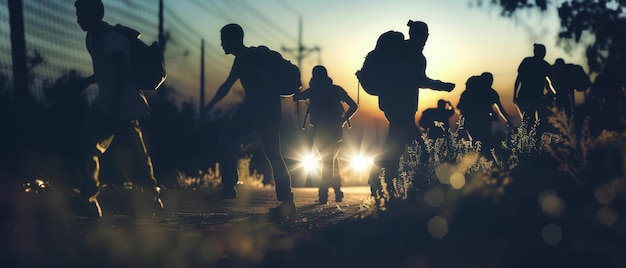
(120, 104)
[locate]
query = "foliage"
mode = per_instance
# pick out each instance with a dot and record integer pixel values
(602, 20)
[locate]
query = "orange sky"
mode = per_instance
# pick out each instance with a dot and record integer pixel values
(464, 41)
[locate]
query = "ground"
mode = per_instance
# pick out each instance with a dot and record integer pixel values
(197, 231)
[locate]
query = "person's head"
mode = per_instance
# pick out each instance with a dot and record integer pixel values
(319, 71)
(89, 13)
(418, 31)
(539, 50)
(232, 37)
(441, 103)
(559, 62)
(320, 76)
(487, 78)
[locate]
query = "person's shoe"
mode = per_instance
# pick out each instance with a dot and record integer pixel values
(284, 210)
(338, 196)
(87, 208)
(323, 200)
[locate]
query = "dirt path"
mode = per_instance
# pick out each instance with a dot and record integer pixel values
(191, 231)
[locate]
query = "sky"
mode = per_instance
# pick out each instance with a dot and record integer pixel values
(464, 40)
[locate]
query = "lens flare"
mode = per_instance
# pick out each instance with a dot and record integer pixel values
(361, 162)
(310, 162)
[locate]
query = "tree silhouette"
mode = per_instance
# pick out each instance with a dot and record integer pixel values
(600, 25)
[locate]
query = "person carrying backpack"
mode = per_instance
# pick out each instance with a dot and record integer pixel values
(405, 73)
(116, 110)
(437, 120)
(260, 113)
(327, 118)
(480, 105)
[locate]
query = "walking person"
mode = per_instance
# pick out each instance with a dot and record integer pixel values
(327, 118)
(259, 114)
(405, 75)
(530, 84)
(437, 120)
(116, 110)
(480, 106)
(566, 79)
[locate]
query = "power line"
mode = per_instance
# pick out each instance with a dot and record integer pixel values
(265, 19)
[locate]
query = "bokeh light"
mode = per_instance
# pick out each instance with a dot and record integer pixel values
(552, 234)
(607, 216)
(434, 197)
(438, 227)
(457, 180)
(551, 203)
(443, 172)
(605, 194)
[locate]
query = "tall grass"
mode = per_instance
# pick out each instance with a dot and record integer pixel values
(212, 177)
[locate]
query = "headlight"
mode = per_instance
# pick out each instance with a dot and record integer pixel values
(361, 163)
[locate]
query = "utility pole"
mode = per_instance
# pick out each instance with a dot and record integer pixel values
(300, 53)
(18, 50)
(161, 32)
(201, 110)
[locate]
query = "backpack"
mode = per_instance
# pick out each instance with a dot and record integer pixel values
(580, 79)
(279, 74)
(371, 76)
(147, 63)
(385, 64)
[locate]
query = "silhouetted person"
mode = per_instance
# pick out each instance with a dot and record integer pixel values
(530, 84)
(116, 110)
(567, 78)
(610, 90)
(479, 104)
(327, 117)
(407, 73)
(437, 120)
(260, 113)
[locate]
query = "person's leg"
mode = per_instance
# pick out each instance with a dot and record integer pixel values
(327, 143)
(336, 176)
(239, 126)
(96, 136)
(271, 148)
(401, 131)
(270, 136)
(143, 171)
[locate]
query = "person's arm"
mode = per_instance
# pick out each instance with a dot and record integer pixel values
(518, 81)
(223, 90)
(437, 85)
(352, 107)
(302, 95)
(497, 106)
